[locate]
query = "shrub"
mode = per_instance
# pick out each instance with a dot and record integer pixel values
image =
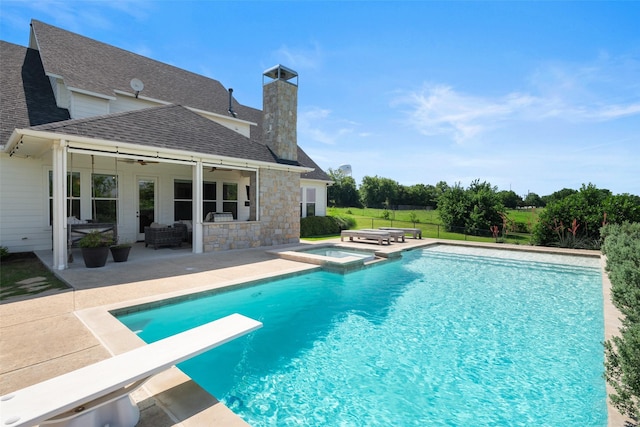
(4, 252)
(622, 365)
(314, 226)
(590, 207)
(475, 208)
(520, 227)
(95, 239)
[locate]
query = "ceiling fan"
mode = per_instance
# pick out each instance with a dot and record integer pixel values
(140, 162)
(214, 168)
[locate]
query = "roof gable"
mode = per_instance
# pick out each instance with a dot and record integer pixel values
(99, 68)
(26, 98)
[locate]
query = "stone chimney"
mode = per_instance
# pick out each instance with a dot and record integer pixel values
(280, 110)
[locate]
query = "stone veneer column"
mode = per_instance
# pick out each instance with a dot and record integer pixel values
(279, 207)
(280, 109)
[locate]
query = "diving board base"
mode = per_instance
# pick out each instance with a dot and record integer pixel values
(122, 411)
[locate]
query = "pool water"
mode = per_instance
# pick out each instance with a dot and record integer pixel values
(439, 337)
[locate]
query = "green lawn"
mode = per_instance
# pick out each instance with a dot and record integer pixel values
(430, 224)
(24, 274)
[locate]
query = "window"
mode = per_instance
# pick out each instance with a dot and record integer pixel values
(104, 198)
(209, 196)
(311, 201)
(73, 195)
(230, 198)
(301, 200)
(183, 199)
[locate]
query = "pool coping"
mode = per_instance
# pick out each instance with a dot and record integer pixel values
(165, 390)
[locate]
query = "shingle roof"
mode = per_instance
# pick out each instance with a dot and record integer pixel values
(97, 67)
(173, 126)
(317, 173)
(26, 98)
(93, 66)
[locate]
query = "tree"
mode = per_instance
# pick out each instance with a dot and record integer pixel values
(454, 207)
(343, 192)
(510, 199)
(622, 207)
(487, 209)
(419, 195)
(533, 199)
(558, 195)
(376, 192)
(441, 187)
(476, 208)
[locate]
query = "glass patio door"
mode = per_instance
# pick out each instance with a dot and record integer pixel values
(146, 203)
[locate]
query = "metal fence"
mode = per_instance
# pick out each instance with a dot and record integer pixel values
(439, 231)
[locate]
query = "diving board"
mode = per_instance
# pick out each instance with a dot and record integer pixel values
(109, 382)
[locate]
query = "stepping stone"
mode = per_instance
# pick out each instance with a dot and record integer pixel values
(31, 281)
(37, 288)
(32, 286)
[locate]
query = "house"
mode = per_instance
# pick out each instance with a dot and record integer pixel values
(93, 133)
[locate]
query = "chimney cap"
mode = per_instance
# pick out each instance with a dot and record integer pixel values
(280, 72)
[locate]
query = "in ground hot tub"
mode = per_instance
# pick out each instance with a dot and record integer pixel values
(335, 252)
(330, 256)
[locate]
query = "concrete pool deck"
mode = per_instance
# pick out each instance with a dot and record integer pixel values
(46, 335)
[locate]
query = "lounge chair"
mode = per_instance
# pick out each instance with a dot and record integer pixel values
(397, 235)
(379, 235)
(416, 233)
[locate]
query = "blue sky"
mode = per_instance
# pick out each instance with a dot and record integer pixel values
(529, 96)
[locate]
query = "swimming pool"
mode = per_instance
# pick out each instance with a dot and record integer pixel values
(441, 337)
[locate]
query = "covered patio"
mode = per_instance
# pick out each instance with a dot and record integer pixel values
(131, 170)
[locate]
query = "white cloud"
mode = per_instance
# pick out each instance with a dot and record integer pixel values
(299, 58)
(604, 90)
(318, 125)
(439, 109)
(92, 15)
(611, 112)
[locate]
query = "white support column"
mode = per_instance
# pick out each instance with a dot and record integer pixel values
(257, 200)
(198, 235)
(59, 226)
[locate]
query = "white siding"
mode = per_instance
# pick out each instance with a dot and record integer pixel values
(321, 196)
(24, 205)
(60, 92)
(243, 129)
(127, 103)
(87, 106)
